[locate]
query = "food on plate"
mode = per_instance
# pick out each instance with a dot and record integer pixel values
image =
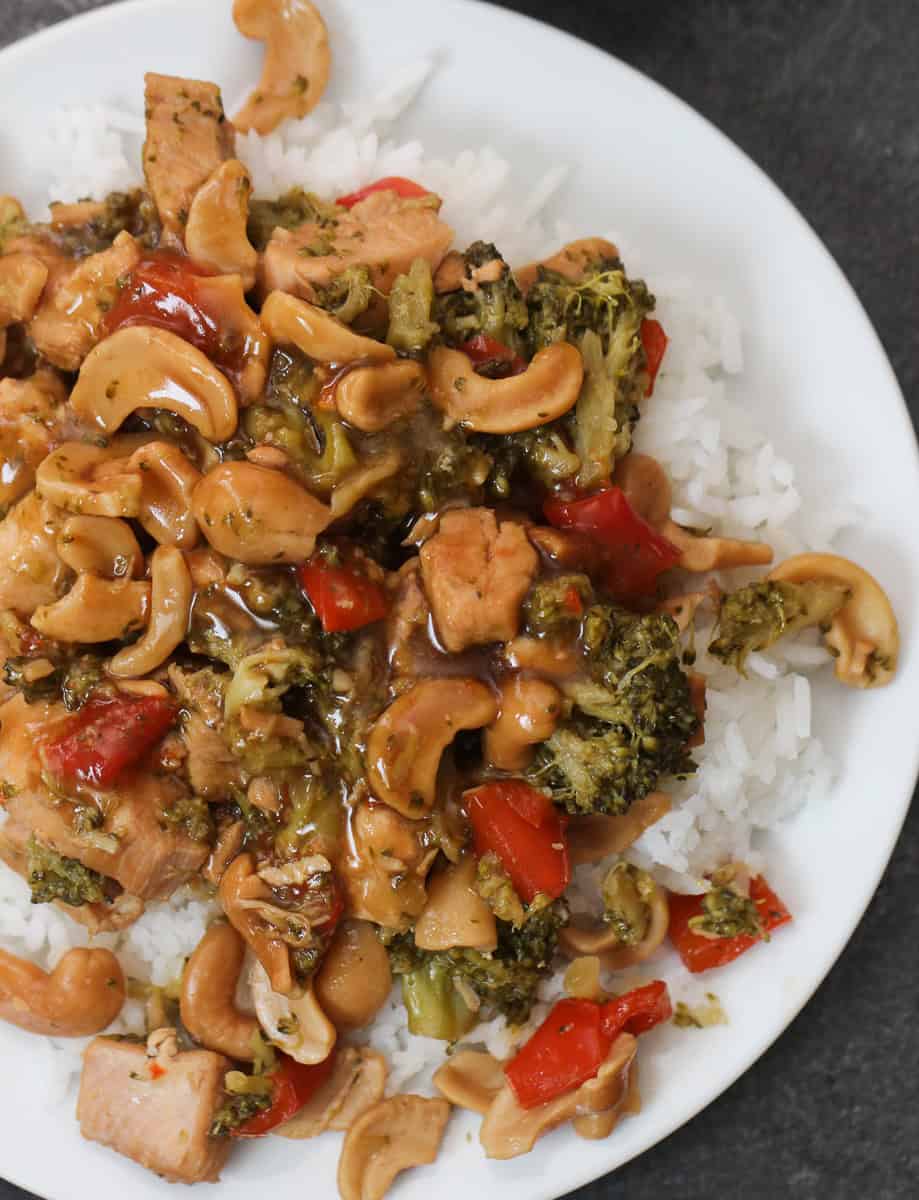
(348, 636)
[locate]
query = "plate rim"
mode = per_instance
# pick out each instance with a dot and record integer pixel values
(757, 1046)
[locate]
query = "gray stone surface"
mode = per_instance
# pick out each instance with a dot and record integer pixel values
(824, 94)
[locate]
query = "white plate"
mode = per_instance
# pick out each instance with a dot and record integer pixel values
(669, 183)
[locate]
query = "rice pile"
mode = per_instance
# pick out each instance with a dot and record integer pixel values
(759, 763)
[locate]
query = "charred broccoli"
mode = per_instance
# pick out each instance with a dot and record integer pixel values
(348, 296)
(53, 877)
(442, 989)
(555, 605)
(756, 616)
(70, 682)
(544, 454)
(494, 307)
(410, 303)
(293, 209)
(631, 719)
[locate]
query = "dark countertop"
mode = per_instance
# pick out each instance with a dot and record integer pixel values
(824, 95)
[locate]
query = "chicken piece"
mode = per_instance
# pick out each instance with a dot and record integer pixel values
(476, 573)
(407, 623)
(384, 233)
(160, 1117)
(150, 857)
(22, 278)
(188, 136)
(29, 411)
(69, 321)
(31, 574)
(213, 770)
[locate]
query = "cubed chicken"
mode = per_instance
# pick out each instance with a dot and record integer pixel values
(476, 574)
(157, 1112)
(31, 574)
(384, 233)
(188, 137)
(29, 411)
(22, 278)
(69, 320)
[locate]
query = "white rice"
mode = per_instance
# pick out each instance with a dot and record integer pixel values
(759, 764)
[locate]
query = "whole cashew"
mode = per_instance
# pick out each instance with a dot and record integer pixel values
(168, 480)
(401, 1132)
(373, 398)
(295, 1022)
(257, 515)
(208, 989)
(170, 606)
(145, 367)
(22, 281)
(215, 234)
(67, 478)
(224, 298)
(354, 980)
(529, 711)
(647, 488)
(585, 937)
(455, 913)
(406, 743)
(95, 610)
(470, 1079)
(297, 61)
(239, 884)
(357, 1082)
(547, 389)
(82, 995)
(863, 635)
(100, 545)
(591, 838)
(319, 336)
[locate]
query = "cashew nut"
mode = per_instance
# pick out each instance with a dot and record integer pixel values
(317, 334)
(294, 1022)
(591, 838)
(241, 332)
(385, 871)
(357, 1082)
(144, 367)
(95, 610)
(510, 1130)
(256, 515)
(68, 479)
(168, 480)
(363, 480)
(297, 61)
(401, 1132)
(101, 546)
(215, 234)
(22, 281)
(170, 606)
(585, 937)
(240, 884)
(863, 636)
(470, 1079)
(570, 261)
(207, 1005)
(647, 488)
(82, 995)
(547, 389)
(455, 914)
(529, 711)
(373, 398)
(354, 980)
(556, 660)
(406, 743)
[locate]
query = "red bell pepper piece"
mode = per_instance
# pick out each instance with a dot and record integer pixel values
(106, 737)
(527, 833)
(655, 343)
(635, 552)
(294, 1084)
(406, 188)
(637, 1011)
(343, 599)
(501, 359)
(574, 1040)
(700, 953)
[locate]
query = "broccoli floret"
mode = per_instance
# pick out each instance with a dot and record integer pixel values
(632, 717)
(555, 606)
(542, 454)
(504, 981)
(348, 296)
(239, 1107)
(726, 913)
(410, 304)
(70, 682)
(496, 308)
(192, 815)
(290, 211)
(133, 212)
(756, 616)
(626, 891)
(53, 877)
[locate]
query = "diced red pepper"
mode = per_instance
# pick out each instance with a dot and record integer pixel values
(294, 1084)
(406, 188)
(574, 1040)
(162, 290)
(700, 953)
(500, 359)
(637, 1011)
(655, 342)
(573, 602)
(343, 599)
(106, 737)
(156, 1071)
(634, 551)
(526, 831)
